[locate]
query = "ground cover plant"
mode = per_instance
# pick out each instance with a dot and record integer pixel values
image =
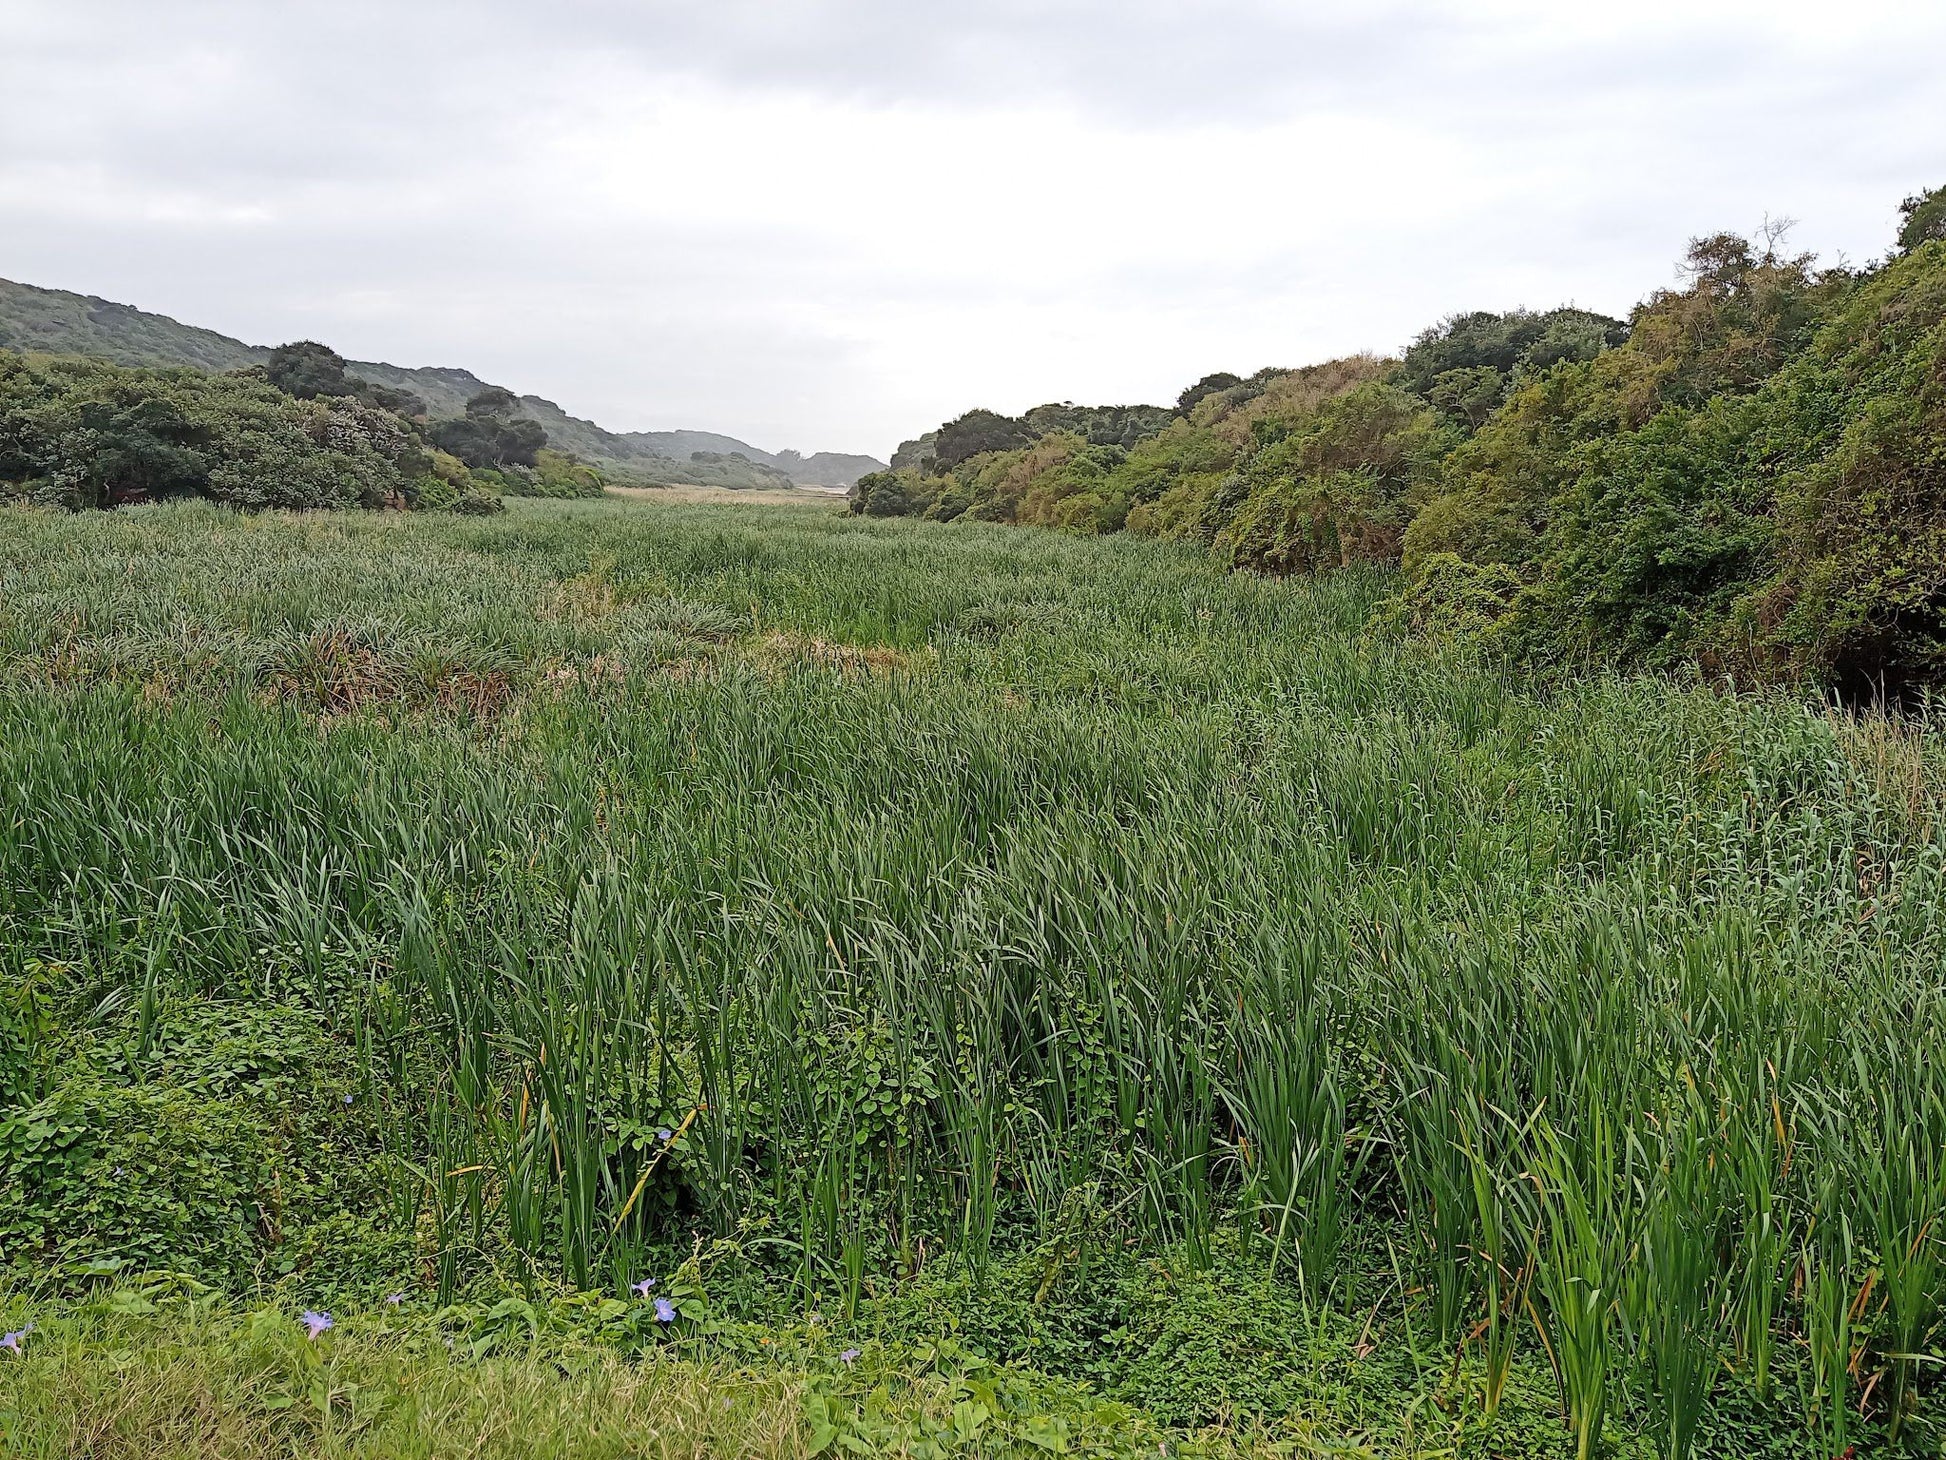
(669, 943)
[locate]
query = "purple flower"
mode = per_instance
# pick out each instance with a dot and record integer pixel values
(663, 1134)
(848, 1357)
(665, 1311)
(395, 1298)
(347, 1100)
(118, 1173)
(16, 1342)
(314, 1323)
(641, 1289)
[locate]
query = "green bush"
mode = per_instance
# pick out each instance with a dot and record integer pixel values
(84, 434)
(1747, 476)
(81, 433)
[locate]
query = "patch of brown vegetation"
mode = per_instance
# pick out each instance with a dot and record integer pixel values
(335, 673)
(1892, 757)
(779, 650)
(589, 595)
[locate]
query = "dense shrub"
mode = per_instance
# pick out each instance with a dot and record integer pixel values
(293, 433)
(1729, 487)
(553, 474)
(1466, 364)
(79, 433)
(490, 435)
(1750, 474)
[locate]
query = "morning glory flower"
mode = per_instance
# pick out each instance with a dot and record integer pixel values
(663, 1134)
(641, 1289)
(665, 1311)
(347, 1100)
(15, 1343)
(395, 1298)
(314, 1323)
(848, 1357)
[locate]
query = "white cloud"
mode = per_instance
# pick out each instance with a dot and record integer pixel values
(830, 223)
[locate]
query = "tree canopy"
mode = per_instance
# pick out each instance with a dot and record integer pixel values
(490, 436)
(308, 370)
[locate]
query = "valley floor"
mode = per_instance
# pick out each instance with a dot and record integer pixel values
(677, 976)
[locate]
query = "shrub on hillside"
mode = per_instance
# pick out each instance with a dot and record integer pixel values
(78, 433)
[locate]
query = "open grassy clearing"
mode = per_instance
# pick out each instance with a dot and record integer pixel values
(1158, 980)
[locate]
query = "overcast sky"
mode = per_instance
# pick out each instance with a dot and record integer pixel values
(830, 224)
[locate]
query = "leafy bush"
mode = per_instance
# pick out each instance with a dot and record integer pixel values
(84, 434)
(554, 474)
(1731, 486)
(1333, 486)
(1466, 364)
(490, 435)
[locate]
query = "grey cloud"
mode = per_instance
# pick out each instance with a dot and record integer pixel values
(384, 175)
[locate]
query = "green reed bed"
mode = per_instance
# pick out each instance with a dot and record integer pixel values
(544, 895)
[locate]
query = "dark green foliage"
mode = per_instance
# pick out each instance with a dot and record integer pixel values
(1208, 386)
(1466, 364)
(1053, 466)
(495, 403)
(917, 454)
(1922, 219)
(974, 434)
(1659, 533)
(134, 450)
(79, 434)
(308, 370)
(1857, 428)
(883, 494)
(1099, 425)
(489, 436)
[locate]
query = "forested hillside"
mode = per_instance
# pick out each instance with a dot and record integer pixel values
(1748, 474)
(53, 321)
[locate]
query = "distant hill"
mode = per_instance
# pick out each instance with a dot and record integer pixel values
(57, 322)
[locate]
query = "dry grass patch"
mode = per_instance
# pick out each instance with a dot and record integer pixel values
(1900, 759)
(235, 1398)
(782, 650)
